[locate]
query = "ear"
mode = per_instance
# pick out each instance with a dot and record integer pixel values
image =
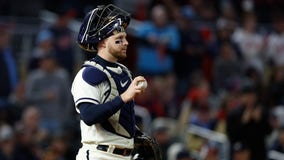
(102, 44)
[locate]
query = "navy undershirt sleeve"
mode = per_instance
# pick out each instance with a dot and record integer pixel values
(95, 113)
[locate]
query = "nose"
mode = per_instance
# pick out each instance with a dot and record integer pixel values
(125, 42)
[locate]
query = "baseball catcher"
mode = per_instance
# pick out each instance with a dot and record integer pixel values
(103, 91)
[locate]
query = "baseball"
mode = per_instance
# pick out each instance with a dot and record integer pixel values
(142, 84)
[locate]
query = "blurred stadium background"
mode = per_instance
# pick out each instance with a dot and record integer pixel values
(214, 68)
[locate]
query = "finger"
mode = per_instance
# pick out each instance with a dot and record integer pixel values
(139, 78)
(138, 91)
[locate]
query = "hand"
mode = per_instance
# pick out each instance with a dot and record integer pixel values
(133, 89)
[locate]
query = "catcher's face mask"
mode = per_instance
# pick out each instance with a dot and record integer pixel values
(99, 24)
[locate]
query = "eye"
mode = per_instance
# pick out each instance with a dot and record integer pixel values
(119, 41)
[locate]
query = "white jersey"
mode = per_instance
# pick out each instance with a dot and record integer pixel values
(275, 48)
(97, 94)
(251, 47)
(250, 44)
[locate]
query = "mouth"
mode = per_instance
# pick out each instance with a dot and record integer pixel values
(124, 49)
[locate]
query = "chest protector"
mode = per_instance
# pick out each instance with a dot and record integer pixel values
(123, 121)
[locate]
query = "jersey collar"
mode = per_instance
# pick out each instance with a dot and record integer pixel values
(104, 62)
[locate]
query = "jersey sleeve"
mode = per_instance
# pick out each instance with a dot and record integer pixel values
(89, 86)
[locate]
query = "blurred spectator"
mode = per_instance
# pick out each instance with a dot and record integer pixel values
(257, 78)
(167, 99)
(248, 123)
(48, 88)
(227, 103)
(63, 40)
(44, 45)
(198, 105)
(25, 148)
(212, 39)
(199, 91)
(224, 30)
(189, 57)
(193, 8)
(202, 117)
(276, 122)
(13, 147)
(250, 42)
(228, 14)
(275, 87)
(7, 143)
(163, 130)
(18, 101)
(227, 69)
(159, 39)
(276, 151)
(56, 150)
(29, 127)
(275, 41)
(8, 71)
(225, 26)
(199, 95)
(278, 144)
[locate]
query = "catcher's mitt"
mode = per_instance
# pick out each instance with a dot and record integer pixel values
(146, 148)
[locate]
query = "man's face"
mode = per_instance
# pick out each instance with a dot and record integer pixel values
(117, 45)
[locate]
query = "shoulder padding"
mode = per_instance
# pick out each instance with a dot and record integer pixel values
(94, 76)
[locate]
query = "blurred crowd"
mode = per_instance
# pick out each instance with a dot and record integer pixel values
(215, 68)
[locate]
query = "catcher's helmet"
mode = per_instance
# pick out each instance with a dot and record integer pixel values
(99, 24)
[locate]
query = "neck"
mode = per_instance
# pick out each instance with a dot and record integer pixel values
(106, 56)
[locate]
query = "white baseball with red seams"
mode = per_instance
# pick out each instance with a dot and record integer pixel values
(142, 84)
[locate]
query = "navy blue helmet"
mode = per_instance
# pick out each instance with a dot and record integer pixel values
(99, 24)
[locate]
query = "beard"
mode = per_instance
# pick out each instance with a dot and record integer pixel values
(121, 56)
(118, 53)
